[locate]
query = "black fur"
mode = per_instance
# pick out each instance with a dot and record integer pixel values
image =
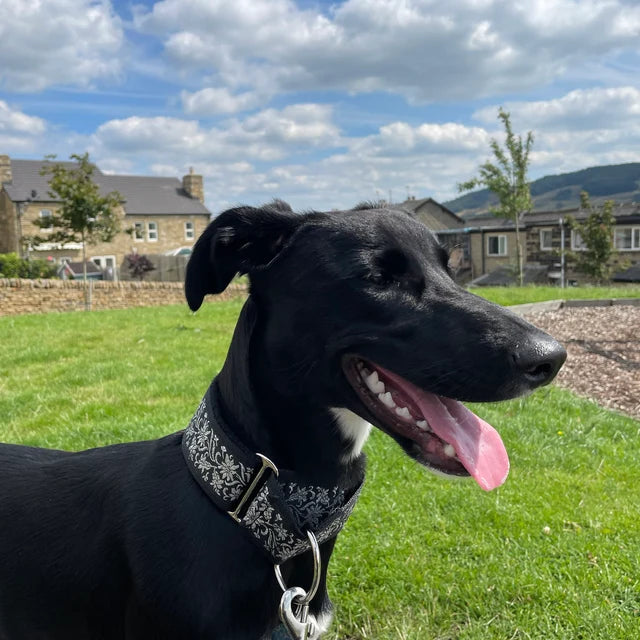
(120, 542)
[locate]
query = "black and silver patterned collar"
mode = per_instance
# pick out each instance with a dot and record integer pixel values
(272, 506)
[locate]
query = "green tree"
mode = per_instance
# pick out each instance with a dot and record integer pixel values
(507, 179)
(597, 235)
(85, 215)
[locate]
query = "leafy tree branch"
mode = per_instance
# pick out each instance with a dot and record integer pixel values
(507, 178)
(596, 232)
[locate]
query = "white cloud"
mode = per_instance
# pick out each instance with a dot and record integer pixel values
(428, 158)
(267, 135)
(216, 100)
(68, 42)
(142, 135)
(13, 120)
(300, 124)
(424, 50)
(297, 153)
(400, 138)
(584, 127)
(237, 56)
(19, 131)
(598, 108)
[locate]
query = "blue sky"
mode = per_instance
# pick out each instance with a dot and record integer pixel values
(323, 104)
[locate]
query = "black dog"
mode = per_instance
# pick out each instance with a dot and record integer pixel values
(353, 318)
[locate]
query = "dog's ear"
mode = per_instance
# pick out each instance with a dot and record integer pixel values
(238, 241)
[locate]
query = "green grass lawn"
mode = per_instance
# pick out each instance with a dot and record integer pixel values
(554, 553)
(536, 293)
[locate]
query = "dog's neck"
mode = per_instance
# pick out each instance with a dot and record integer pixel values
(291, 431)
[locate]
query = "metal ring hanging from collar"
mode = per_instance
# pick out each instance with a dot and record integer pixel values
(317, 570)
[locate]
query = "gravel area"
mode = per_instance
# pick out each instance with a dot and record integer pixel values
(603, 346)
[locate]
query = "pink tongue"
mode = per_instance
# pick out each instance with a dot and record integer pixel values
(477, 444)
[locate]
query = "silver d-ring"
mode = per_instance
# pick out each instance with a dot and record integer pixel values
(317, 567)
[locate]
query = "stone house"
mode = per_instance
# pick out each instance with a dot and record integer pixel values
(493, 240)
(157, 214)
(448, 227)
(431, 213)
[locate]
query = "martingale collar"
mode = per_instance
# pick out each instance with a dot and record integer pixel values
(268, 502)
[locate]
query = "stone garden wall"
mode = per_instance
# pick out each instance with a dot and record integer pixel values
(44, 296)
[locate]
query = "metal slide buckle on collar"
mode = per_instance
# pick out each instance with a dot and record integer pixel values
(252, 490)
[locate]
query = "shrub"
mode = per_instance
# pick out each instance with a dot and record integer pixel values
(13, 266)
(138, 265)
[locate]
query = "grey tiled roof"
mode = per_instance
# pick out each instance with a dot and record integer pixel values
(446, 220)
(625, 213)
(28, 184)
(414, 205)
(144, 194)
(141, 194)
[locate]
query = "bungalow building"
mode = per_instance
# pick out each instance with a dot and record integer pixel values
(483, 246)
(493, 243)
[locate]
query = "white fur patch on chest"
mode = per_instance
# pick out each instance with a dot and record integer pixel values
(323, 622)
(353, 428)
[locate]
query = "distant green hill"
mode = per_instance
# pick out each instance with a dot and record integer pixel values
(619, 182)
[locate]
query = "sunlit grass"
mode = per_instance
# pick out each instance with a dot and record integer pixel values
(535, 293)
(551, 554)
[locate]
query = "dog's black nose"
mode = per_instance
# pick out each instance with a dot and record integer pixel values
(539, 359)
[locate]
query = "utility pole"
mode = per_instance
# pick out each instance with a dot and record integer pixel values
(562, 278)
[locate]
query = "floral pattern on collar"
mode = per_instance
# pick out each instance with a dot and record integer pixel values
(280, 513)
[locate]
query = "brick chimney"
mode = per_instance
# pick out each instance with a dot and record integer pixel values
(193, 185)
(5, 169)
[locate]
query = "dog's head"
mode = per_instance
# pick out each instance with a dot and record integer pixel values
(358, 309)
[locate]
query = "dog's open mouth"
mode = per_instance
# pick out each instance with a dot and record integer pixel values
(439, 432)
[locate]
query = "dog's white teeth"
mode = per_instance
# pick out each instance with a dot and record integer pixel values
(374, 383)
(387, 400)
(403, 412)
(449, 450)
(422, 424)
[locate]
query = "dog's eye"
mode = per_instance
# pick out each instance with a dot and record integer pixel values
(392, 263)
(392, 268)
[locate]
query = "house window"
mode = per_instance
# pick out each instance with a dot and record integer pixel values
(138, 231)
(497, 245)
(152, 231)
(577, 243)
(626, 238)
(189, 231)
(546, 236)
(104, 262)
(45, 220)
(107, 264)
